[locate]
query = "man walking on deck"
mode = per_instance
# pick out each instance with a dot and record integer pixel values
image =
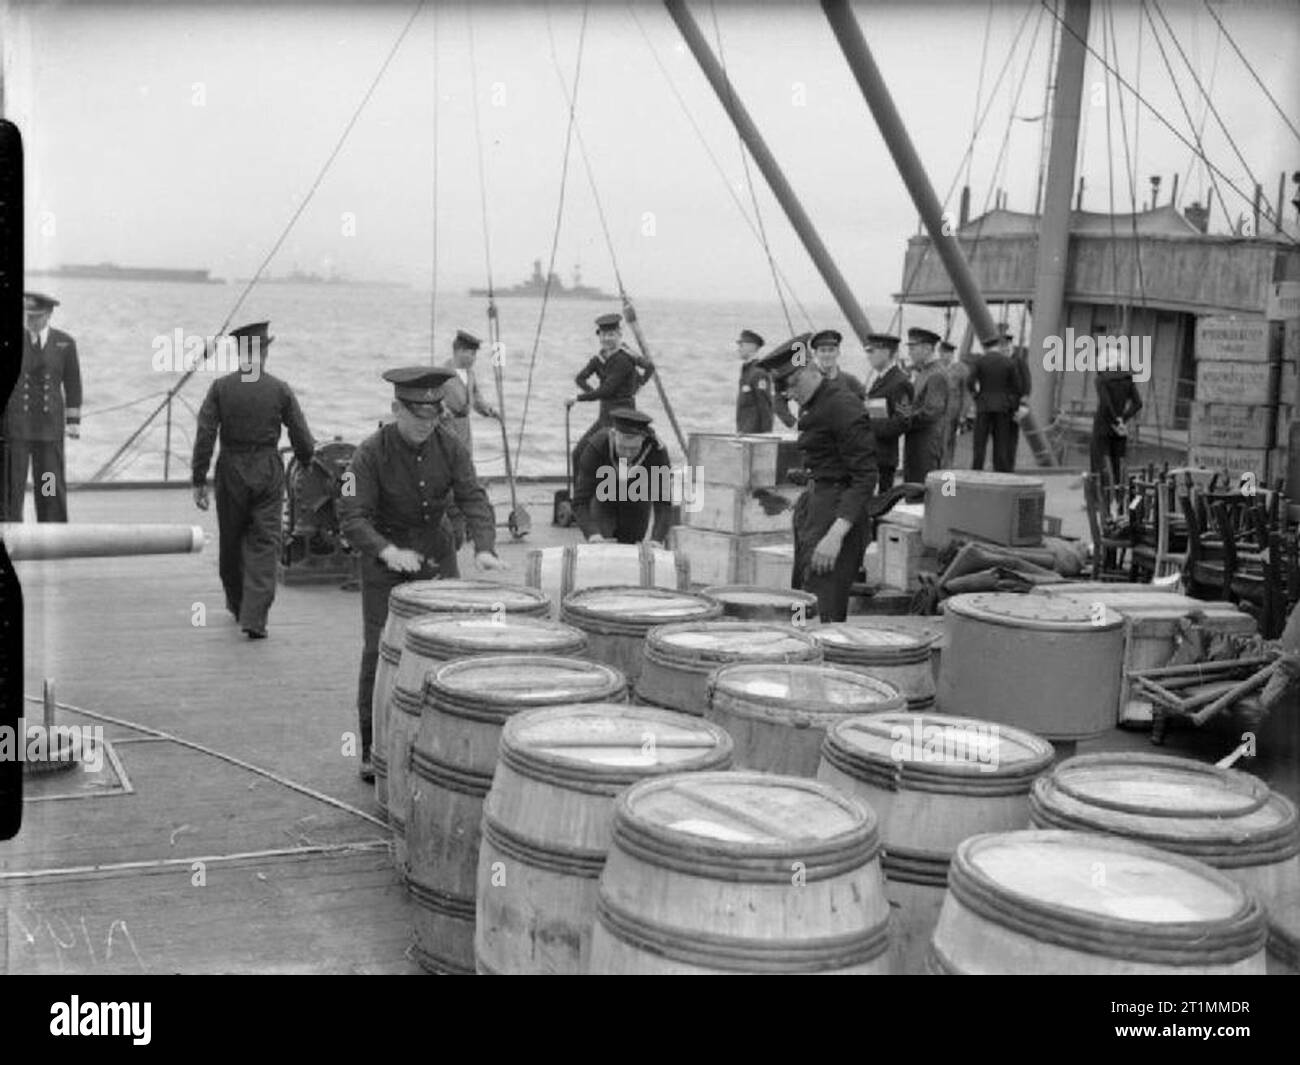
(45, 405)
(839, 453)
(889, 404)
(622, 478)
(923, 443)
(995, 382)
(401, 477)
(246, 409)
(618, 372)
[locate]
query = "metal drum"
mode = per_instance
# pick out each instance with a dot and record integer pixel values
(452, 763)
(1051, 666)
(778, 714)
(548, 818)
(896, 656)
(933, 781)
(741, 873)
(679, 658)
(617, 618)
(1223, 817)
(749, 602)
(1046, 903)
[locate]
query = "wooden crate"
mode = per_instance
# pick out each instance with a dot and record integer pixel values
(900, 551)
(1283, 301)
(772, 565)
(1245, 382)
(1235, 425)
(722, 558)
(727, 508)
(1236, 460)
(733, 459)
(1232, 339)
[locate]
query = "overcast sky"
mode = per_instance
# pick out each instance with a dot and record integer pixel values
(187, 135)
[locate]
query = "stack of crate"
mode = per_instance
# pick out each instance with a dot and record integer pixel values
(727, 521)
(1246, 387)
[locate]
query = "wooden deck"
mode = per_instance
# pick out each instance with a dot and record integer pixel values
(178, 859)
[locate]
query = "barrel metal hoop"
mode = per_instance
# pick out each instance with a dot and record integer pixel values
(408, 702)
(585, 864)
(889, 775)
(378, 762)
(437, 963)
(906, 866)
(453, 777)
(390, 654)
(713, 951)
(838, 655)
(937, 963)
(438, 901)
(1175, 943)
(1259, 791)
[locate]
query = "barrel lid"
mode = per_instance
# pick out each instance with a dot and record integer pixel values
(754, 595)
(1100, 880)
(941, 752)
(1222, 816)
(864, 644)
(1035, 611)
(1150, 604)
(729, 641)
(493, 686)
(811, 687)
(1010, 480)
(745, 825)
(611, 744)
(647, 606)
(458, 596)
(478, 634)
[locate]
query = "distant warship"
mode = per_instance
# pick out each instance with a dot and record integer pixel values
(535, 286)
(113, 272)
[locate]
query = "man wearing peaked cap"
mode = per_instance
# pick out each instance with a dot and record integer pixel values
(995, 382)
(44, 407)
(618, 372)
(923, 442)
(622, 478)
(244, 410)
(838, 450)
(754, 407)
(826, 349)
(395, 515)
(461, 393)
(956, 371)
(889, 404)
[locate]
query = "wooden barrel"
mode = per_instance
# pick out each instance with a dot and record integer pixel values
(896, 656)
(617, 618)
(560, 571)
(929, 627)
(1049, 902)
(415, 599)
(548, 818)
(778, 714)
(741, 873)
(1051, 666)
(1284, 938)
(679, 658)
(749, 602)
(1225, 818)
(452, 762)
(933, 781)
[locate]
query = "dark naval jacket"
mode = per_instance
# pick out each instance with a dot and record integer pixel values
(47, 394)
(247, 414)
(619, 379)
(622, 519)
(896, 390)
(754, 400)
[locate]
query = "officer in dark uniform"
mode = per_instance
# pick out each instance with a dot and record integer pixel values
(826, 350)
(395, 515)
(838, 449)
(889, 404)
(247, 408)
(754, 400)
(619, 375)
(45, 404)
(611, 499)
(996, 383)
(923, 444)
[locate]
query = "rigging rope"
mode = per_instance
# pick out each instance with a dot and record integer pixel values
(559, 215)
(975, 119)
(1258, 81)
(433, 284)
(284, 234)
(749, 179)
(1205, 112)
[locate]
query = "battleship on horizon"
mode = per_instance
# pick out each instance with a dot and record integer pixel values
(536, 286)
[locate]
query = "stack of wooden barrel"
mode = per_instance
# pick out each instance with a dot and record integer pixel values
(784, 797)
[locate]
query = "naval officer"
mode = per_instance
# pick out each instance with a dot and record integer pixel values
(754, 400)
(608, 502)
(924, 440)
(246, 409)
(45, 405)
(889, 403)
(839, 453)
(401, 477)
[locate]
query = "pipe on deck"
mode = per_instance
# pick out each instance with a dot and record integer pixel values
(27, 542)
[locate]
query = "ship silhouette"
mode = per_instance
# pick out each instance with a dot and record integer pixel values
(535, 286)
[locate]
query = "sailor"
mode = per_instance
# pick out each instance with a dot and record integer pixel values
(245, 409)
(395, 514)
(45, 404)
(1020, 359)
(826, 350)
(923, 443)
(956, 371)
(995, 382)
(839, 453)
(889, 404)
(622, 476)
(1118, 403)
(754, 400)
(619, 374)
(462, 392)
